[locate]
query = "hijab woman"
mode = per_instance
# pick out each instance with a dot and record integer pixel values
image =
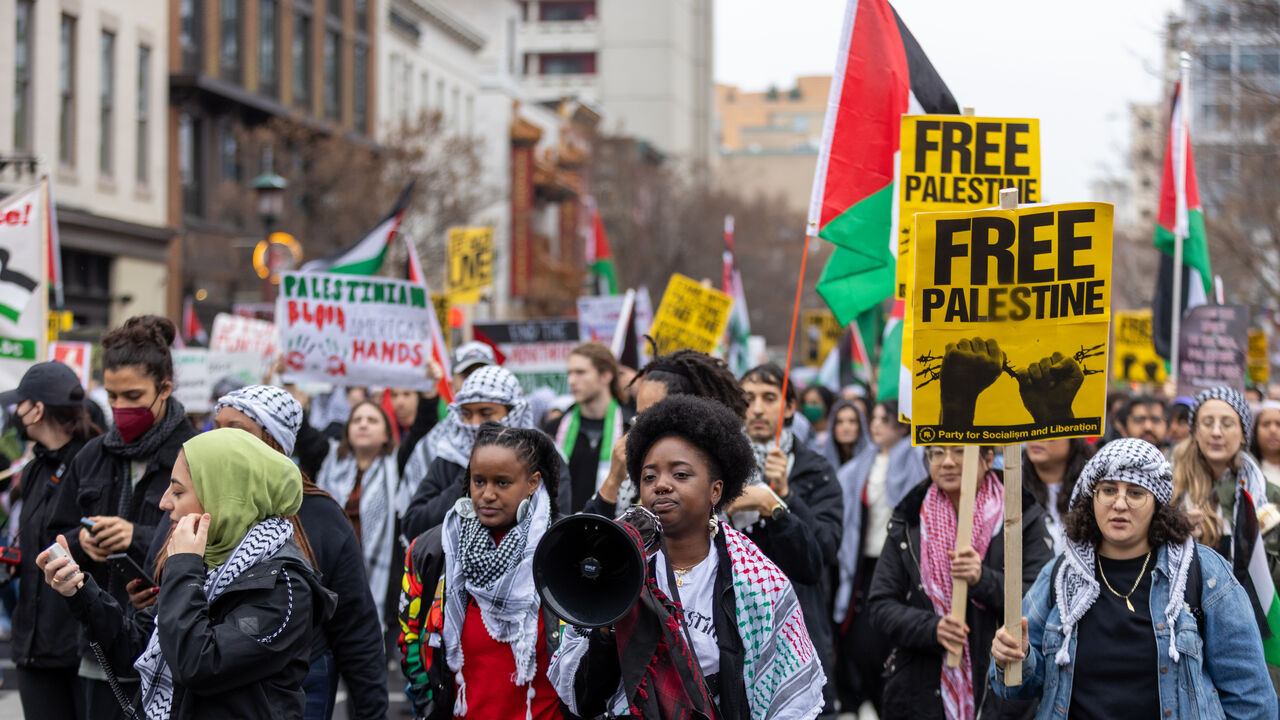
(749, 653)
(480, 649)
(230, 633)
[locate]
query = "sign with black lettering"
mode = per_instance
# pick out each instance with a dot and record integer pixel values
(1134, 358)
(1213, 349)
(821, 335)
(470, 264)
(691, 315)
(961, 163)
(1010, 315)
(537, 351)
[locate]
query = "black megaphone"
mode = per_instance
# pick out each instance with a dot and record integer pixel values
(589, 570)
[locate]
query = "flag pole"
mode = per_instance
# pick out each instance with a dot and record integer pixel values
(1180, 209)
(791, 342)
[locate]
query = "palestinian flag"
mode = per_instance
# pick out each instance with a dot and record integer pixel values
(366, 256)
(439, 352)
(881, 74)
(1249, 563)
(1180, 216)
(847, 363)
(600, 257)
(893, 375)
(192, 329)
(738, 331)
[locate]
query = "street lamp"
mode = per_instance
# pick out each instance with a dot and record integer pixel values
(269, 187)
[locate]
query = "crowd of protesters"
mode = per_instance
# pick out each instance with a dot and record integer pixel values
(303, 542)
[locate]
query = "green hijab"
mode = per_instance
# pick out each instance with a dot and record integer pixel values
(240, 482)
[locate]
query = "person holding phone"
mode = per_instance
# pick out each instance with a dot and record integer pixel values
(230, 633)
(117, 480)
(49, 410)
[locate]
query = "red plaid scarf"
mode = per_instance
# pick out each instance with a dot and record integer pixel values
(938, 528)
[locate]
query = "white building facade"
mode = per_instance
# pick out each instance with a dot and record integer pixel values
(88, 87)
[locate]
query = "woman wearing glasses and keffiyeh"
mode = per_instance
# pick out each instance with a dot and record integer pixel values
(1134, 619)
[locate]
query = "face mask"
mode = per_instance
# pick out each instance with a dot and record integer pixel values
(812, 412)
(133, 422)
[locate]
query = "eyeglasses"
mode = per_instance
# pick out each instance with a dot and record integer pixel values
(1134, 496)
(938, 452)
(1226, 424)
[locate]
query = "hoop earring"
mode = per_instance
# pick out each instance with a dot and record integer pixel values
(523, 510)
(713, 525)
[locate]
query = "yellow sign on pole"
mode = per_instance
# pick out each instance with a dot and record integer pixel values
(1010, 313)
(59, 321)
(440, 302)
(470, 264)
(1133, 357)
(821, 335)
(1259, 367)
(690, 315)
(951, 162)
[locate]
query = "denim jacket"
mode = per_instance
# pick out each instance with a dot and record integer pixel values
(1222, 675)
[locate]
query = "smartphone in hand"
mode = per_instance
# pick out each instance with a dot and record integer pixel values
(125, 565)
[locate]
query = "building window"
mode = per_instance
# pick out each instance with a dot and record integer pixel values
(106, 103)
(192, 13)
(360, 103)
(455, 108)
(143, 140)
(190, 165)
(1218, 62)
(471, 113)
(332, 75)
(67, 91)
(566, 10)
(22, 75)
(302, 58)
(362, 15)
(335, 9)
(405, 93)
(567, 64)
(268, 44)
(228, 153)
(440, 97)
(231, 26)
(424, 87)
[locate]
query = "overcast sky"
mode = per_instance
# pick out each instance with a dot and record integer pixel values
(1076, 66)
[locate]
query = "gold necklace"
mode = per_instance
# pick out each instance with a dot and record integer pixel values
(680, 573)
(1136, 583)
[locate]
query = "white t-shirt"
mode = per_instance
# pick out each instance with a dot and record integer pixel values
(697, 596)
(876, 523)
(1271, 472)
(1057, 530)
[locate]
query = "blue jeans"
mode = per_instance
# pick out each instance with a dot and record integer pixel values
(321, 687)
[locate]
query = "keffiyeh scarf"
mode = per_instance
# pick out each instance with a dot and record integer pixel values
(1076, 586)
(278, 412)
(938, 536)
(782, 675)
(261, 543)
(453, 439)
(499, 577)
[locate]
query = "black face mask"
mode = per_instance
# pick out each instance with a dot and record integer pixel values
(20, 426)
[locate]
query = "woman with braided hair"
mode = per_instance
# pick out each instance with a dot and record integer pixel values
(475, 640)
(683, 372)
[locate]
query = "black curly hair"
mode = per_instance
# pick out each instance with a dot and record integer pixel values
(707, 425)
(689, 372)
(144, 341)
(532, 447)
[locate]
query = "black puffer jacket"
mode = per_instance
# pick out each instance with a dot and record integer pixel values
(44, 635)
(221, 668)
(901, 609)
(804, 541)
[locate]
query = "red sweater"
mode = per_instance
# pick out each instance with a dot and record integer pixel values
(488, 668)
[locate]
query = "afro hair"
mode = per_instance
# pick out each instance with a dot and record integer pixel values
(707, 425)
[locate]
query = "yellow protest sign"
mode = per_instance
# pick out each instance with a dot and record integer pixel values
(1133, 357)
(440, 302)
(821, 335)
(690, 315)
(1259, 367)
(1010, 314)
(470, 264)
(949, 162)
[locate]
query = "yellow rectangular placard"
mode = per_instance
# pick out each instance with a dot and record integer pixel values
(949, 162)
(1010, 314)
(470, 264)
(690, 315)
(821, 335)
(1259, 366)
(1133, 356)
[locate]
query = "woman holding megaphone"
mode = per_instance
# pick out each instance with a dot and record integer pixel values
(742, 644)
(477, 642)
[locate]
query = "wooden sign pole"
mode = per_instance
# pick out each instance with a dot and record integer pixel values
(964, 537)
(1012, 523)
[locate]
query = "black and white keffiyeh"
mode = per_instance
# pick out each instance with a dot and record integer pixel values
(453, 439)
(1231, 397)
(1076, 586)
(277, 411)
(261, 543)
(499, 577)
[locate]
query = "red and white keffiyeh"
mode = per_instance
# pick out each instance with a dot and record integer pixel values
(938, 529)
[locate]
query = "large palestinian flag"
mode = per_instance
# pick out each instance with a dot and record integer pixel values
(881, 74)
(366, 257)
(1179, 215)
